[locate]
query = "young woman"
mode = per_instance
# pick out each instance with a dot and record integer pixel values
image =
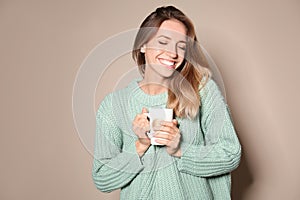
(199, 148)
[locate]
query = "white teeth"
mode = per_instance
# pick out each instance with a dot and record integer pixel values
(166, 62)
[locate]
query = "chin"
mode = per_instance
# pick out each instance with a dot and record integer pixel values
(168, 74)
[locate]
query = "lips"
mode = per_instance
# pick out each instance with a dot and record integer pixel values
(171, 64)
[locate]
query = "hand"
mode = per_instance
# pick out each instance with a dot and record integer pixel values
(141, 126)
(168, 134)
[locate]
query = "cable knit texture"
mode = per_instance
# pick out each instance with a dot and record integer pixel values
(210, 149)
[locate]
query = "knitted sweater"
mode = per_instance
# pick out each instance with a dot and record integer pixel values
(209, 144)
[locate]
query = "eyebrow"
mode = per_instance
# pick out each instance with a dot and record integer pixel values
(169, 38)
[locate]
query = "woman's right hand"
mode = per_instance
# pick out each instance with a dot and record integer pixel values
(141, 126)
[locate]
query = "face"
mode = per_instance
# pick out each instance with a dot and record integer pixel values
(165, 51)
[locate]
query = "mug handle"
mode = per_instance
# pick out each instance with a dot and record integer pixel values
(148, 118)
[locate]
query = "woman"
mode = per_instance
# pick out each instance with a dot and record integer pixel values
(199, 148)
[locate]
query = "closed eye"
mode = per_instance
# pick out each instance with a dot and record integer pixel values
(163, 42)
(182, 47)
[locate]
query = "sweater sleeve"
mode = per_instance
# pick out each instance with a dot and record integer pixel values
(112, 167)
(221, 151)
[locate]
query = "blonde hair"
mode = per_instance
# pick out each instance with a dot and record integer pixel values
(190, 76)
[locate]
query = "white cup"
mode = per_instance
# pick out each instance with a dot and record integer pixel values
(156, 115)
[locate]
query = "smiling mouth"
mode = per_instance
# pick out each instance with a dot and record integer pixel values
(167, 63)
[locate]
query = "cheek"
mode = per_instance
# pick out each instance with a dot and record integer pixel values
(181, 59)
(151, 54)
(181, 53)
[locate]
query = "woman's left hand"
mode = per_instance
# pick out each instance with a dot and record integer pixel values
(168, 134)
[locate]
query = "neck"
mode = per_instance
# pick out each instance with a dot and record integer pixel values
(154, 84)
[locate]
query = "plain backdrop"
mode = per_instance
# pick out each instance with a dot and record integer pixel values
(255, 45)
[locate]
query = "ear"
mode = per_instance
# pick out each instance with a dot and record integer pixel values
(143, 49)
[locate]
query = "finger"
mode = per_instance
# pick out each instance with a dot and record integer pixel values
(141, 118)
(144, 110)
(163, 142)
(170, 130)
(143, 136)
(163, 135)
(146, 126)
(173, 123)
(141, 124)
(166, 129)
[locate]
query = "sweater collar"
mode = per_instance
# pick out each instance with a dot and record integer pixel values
(146, 99)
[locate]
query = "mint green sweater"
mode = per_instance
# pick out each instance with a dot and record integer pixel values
(210, 149)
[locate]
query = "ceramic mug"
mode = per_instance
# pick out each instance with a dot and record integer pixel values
(156, 115)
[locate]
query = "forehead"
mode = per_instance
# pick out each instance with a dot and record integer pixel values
(173, 29)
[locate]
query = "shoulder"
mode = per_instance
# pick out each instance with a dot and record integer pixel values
(211, 96)
(116, 97)
(209, 87)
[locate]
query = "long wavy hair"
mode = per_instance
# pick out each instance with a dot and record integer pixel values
(190, 76)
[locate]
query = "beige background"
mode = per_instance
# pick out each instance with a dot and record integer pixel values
(255, 44)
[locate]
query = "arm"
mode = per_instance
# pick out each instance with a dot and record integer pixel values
(221, 151)
(112, 167)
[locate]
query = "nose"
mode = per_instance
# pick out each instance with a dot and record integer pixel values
(172, 51)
